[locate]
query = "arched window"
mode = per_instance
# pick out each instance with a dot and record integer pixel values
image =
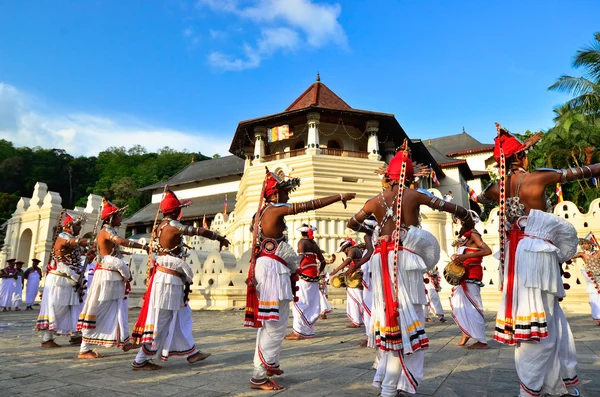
(334, 144)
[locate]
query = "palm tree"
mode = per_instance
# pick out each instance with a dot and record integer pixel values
(585, 89)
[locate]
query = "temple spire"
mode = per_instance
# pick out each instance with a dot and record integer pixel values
(318, 77)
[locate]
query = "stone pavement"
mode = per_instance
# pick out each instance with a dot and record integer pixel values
(329, 365)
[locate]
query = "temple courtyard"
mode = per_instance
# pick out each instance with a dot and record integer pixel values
(330, 365)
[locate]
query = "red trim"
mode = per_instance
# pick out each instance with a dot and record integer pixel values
(409, 375)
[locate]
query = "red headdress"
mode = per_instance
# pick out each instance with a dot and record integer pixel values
(510, 144)
(109, 209)
(393, 170)
(72, 219)
(273, 184)
(170, 202)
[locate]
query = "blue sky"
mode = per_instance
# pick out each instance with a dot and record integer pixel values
(85, 75)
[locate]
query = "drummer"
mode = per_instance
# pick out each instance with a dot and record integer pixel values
(467, 306)
(354, 299)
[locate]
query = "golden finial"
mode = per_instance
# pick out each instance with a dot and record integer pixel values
(318, 77)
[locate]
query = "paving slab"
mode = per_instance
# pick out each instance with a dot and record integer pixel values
(329, 365)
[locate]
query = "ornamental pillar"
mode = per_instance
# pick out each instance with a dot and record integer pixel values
(312, 145)
(248, 156)
(389, 151)
(260, 134)
(373, 143)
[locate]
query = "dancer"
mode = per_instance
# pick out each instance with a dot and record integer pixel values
(354, 299)
(269, 282)
(103, 320)
(365, 263)
(61, 303)
(397, 284)
(325, 307)
(164, 325)
(432, 289)
(307, 308)
(7, 285)
(465, 300)
(591, 272)
(33, 275)
(530, 315)
(17, 290)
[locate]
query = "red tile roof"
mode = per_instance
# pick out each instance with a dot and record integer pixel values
(318, 94)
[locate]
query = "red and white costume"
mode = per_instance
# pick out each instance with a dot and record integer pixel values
(465, 300)
(306, 309)
(61, 304)
(164, 325)
(399, 333)
(104, 318)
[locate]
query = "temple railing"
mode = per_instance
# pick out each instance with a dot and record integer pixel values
(284, 155)
(345, 153)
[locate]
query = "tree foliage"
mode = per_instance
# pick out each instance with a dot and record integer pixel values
(117, 173)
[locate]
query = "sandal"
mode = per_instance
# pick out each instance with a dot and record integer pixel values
(145, 366)
(198, 356)
(268, 384)
(89, 355)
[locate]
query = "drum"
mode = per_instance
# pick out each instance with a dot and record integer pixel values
(338, 281)
(354, 280)
(453, 273)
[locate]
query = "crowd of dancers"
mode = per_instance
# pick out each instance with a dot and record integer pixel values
(391, 280)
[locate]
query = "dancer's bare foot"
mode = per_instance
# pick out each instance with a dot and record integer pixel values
(198, 356)
(463, 340)
(294, 336)
(478, 346)
(364, 343)
(17, 309)
(428, 320)
(274, 371)
(264, 384)
(89, 355)
(352, 325)
(50, 344)
(324, 317)
(4, 309)
(145, 366)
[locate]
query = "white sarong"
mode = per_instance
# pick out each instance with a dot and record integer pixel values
(7, 286)
(354, 305)
(32, 287)
(545, 356)
(467, 310)
(60, 305)
(273, 286)
(434, 302)
(104, 318)
(325, 307)
(307, 309)
(17, 293)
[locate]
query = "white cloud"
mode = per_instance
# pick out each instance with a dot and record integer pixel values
(284, 25)
(88, 134)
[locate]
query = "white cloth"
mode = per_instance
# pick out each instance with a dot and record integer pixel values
(434, 302)
(32, 287)
(60, 305)
(7, 286)
(307, 309)
(396, 371)
(268, 342)
(548, 366)
(467, 311)
(354, 305)
(594, 295)
(325, 307)
(17, 292)
(540, 328)
(103, 320)
(367, 296)
(168, 327)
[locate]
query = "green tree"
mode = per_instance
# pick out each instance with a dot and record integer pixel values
(585, 89)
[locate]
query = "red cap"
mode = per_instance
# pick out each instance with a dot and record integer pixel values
(271, 184)
(170, 202)
(510, 145)
(108, 209)
(395, 166)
